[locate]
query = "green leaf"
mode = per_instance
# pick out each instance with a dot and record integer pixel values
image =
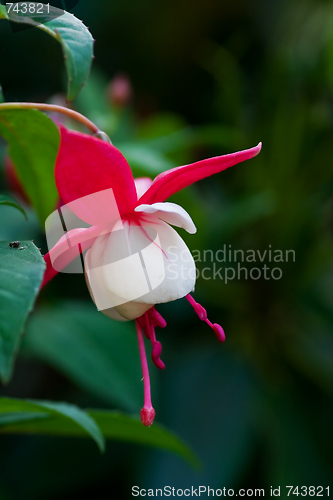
(2, 98)
(75, 39)
(98, 354)
(113, 425)
(21, 273)
(20, 416)
(7, 200)
(59, 415)
(33, 146)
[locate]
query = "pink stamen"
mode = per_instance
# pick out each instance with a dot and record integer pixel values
(159, 363)
(157, 347)
(142, 322)
(157, 319)
(219, 332)
(201, 312)
(147, 412)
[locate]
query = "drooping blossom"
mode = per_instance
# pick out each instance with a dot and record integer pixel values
(134, 258)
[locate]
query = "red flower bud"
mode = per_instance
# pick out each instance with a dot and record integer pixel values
(120, 90)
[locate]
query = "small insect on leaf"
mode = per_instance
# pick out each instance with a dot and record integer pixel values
(14, 244)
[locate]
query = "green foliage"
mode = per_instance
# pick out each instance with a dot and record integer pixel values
(58, 414)
(62, 419)
(104, 354)
(21, 273)
(7, 200)
(74, 38)
(33, 145)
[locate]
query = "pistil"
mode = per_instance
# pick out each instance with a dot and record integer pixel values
(147, 412)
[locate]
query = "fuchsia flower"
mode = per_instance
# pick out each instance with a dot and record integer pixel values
(86, 165)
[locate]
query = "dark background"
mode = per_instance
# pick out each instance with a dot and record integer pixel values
(212, 77)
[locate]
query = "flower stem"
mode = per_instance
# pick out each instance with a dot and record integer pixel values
(53, 108)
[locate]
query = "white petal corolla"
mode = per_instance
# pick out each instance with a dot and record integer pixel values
(171, 213)
(140, 263)
(104, 298)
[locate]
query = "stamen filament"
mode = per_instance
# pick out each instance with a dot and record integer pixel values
(201, 312)
(157, 347)
(157, 318)
(147, 412)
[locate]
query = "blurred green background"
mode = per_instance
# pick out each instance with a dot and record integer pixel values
(207, 78)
